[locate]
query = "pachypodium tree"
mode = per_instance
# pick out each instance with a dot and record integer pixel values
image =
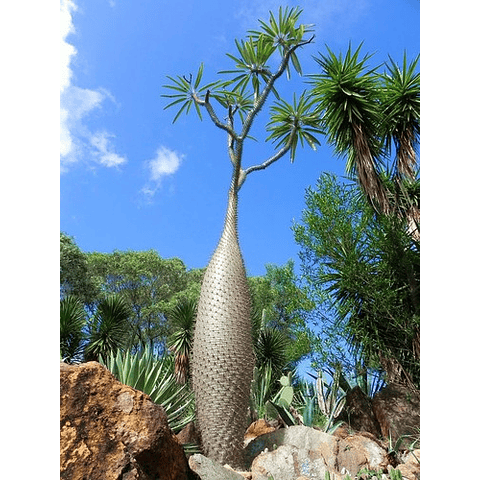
(222, 357)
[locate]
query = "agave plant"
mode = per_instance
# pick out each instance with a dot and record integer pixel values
(155, 377)
(262, 389)
(330, 398)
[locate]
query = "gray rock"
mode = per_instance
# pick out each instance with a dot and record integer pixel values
(304, 451)
(288, 462)
(208, 469)
(298, 436)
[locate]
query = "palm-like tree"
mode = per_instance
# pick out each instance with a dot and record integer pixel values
(72, 323)
(364, 113)
(400, 99)
(223, 358)
(109, 328)
(182, 318)
(347, 94)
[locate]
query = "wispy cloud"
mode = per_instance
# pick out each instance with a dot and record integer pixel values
(166, 162)
(331, 16)
(76, 141)
(105, 154)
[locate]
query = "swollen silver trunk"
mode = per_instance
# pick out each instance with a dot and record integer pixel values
(222, 356)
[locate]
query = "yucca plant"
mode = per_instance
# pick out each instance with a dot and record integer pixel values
(72, 323)
(348, 94)
(108, 328)
(182, 318)
(155, 377)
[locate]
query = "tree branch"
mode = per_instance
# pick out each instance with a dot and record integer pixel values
(264, 165)
(206, 103)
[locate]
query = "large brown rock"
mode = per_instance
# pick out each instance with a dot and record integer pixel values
(358, 412)
(397, 410)
(109, 431)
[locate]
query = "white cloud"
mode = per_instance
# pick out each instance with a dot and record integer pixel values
(165, 163)
(76, 141)
(105, 150)
(67, 51)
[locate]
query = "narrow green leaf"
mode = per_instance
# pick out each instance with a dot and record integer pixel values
(199, 76)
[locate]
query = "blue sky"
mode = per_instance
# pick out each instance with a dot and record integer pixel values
(132, 180)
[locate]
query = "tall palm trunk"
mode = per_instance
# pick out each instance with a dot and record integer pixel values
(222, 355)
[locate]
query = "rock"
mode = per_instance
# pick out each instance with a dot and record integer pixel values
(288, 462)
(314, 453)
(109, 431)
(208, 469)
(411, 468)
(342, 431)
(260, 427)
(397, 410)
(188, 434)
(358, 412)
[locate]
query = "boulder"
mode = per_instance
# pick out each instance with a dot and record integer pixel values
(411, 468)
(208, 469)
(397, 410)
(358, 412)
(109, 431)
(257, 428)
(188, 434)
(314, 453)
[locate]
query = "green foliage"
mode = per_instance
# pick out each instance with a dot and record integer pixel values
(282, 401)
(331, 400)
(74, 277)
(108, 328)
(290, 123)
(72, 322)
(270, 349)
(347, 93)
(253, 80)
(155, 377)
(262, 390)
(278, 302)
(364, 112)
(400, 100)
(151, 285)
(182, 318)
(366, 269)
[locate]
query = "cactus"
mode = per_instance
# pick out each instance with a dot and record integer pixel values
(222, 356)
(283, 399)
(330, 402)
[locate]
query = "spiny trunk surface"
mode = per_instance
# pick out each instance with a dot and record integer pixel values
(222, 356)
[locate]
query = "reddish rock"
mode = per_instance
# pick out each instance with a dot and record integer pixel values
(397, 410)
(411, 468)
(188, 434)
(260, 427)
(109, 431)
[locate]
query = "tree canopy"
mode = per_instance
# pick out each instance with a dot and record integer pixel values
(364, 271)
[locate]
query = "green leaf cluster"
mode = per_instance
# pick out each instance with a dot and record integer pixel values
(252, 80)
